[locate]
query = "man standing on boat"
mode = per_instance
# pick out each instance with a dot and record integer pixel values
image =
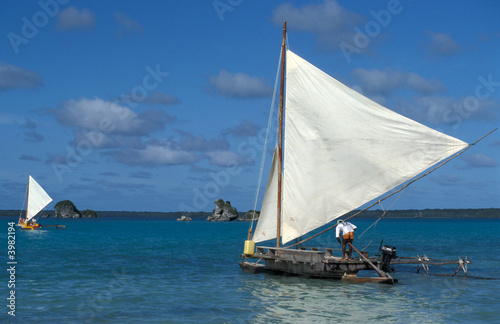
(347, 236)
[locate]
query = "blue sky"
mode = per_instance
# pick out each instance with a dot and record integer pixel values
(162, 105)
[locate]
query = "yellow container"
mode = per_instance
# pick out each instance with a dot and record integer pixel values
(249, 248)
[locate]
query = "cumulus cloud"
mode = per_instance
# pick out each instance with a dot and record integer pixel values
(245, 129)
(101, 140)
(450, 111)
(379, 82)
(422, 85)
(73, 19)
(226, 158)
(34, 137)
(125, 136)
(141, 175)
(159, 98)
(383, 82)
(96, 113)
(239, 85)
(448, 180)
(479, 160)
(329, 21)
(127, 25)
(14, 77)
(199, 143)
(28, 157)
(441, 45)
(154, 154)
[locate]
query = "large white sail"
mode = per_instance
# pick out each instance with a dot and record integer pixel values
(266, 227)
(37, 199)
(342, 149)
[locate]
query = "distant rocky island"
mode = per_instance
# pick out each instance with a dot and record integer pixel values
(250, 215)
(223, 212)
(66, 209)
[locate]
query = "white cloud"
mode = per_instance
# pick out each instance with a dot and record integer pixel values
(245, 129)
(127, 25)
(239, 85)
(226, 158)
(329, 21)
(74, 19)
(379, 82)
(14, 77)
(155, 154)
(448, 180)
(442, 45)
(159, 98)
(479, 160)
(192, 142)
(422, 85)
(109, 117)
(383, 82)
(450, 111)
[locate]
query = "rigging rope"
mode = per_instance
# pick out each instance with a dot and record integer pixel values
(25, 202)
(376, 222)
(264, 152)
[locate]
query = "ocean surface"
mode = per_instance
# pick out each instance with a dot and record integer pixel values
(162, 271)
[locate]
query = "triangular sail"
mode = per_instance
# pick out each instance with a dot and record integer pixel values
(37, 199)
(343, 150)
(266, 227)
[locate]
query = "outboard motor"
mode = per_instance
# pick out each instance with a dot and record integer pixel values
(387, 253)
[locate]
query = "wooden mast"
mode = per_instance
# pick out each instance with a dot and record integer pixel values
(280, 137)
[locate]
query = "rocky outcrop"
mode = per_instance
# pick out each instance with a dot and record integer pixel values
(249, 215)
(184, 219)
(66, 209)
(223, 212)
(88, 213)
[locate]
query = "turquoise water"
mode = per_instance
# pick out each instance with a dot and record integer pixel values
(162, 271)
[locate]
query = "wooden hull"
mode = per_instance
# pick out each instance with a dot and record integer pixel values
(311, 263)
(38, 226)
(257, 268)
(30, 227)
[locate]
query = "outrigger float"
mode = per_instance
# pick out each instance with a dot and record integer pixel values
(341, 151)
(36, 200)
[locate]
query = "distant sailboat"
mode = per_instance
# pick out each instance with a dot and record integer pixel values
(341, 151)
(36, 201)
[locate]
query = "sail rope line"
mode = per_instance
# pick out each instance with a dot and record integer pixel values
(264, 152)
(376, 222)
(25, 202)
(399, 190)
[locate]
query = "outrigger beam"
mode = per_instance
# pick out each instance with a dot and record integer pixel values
(374, 267)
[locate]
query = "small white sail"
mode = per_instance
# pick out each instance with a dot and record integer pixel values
(266, 227)
(37, 199)
(342, 150)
